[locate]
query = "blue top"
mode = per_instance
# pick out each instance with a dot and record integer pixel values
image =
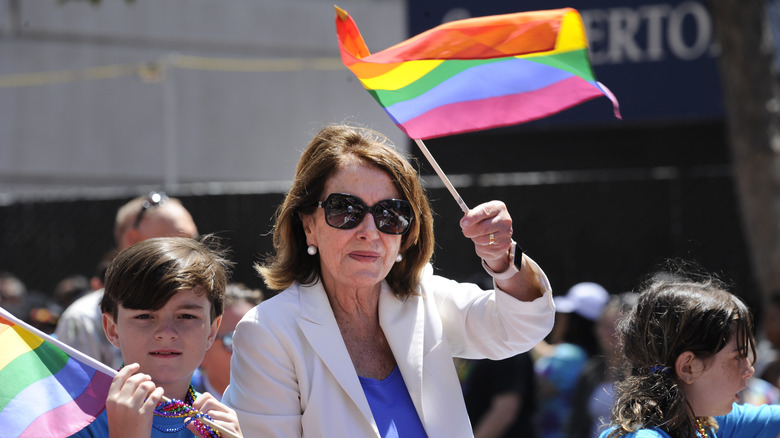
(744, 421)
(99, 428)
(392, 406)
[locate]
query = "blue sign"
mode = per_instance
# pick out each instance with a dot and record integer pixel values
(658, 58)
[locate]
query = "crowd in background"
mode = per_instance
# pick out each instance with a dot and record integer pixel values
(560, 389)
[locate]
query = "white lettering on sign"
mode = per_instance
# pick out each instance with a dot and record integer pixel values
(649, 33)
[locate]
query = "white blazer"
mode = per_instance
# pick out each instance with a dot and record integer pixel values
(291, 374)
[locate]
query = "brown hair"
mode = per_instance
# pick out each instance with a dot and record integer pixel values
(673, 314)
(329, 149)
(147, 274)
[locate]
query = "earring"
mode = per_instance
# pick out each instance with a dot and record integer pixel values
(311, 250)
(398, 258)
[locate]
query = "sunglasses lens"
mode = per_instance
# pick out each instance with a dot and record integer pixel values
(344, 211)
(393, 216)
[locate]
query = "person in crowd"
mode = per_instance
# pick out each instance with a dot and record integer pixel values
(559, 364)
(213, 374)
(762, 387)
(155, 215)
(770, 367)
(592, 399)
(13, 295)
(32, 306)
(69, 289)
(98, 279)
(162, 307)
(687, 352)
(43, 312)
(500, 396)
(361, 340)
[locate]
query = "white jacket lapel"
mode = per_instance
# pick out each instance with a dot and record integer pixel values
(319, 326)
(403, 325)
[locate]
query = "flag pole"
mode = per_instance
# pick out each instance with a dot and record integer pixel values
(94, 363)
(443, 177)
(70, 351)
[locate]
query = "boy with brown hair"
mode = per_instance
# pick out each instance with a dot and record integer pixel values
(162, 308)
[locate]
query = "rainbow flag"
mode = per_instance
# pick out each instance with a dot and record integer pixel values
(477, 73)
(47, 389)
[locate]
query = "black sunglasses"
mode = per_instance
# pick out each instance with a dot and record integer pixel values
(152, 200)
(343, 211)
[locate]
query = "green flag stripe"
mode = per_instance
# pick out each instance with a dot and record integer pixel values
(44, 361)
(575, 62)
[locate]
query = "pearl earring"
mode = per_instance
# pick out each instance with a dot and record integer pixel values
(398, 258)
(311, 250)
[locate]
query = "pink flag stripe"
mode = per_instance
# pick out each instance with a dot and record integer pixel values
(80, 412)
(44, 398)
(501, 110)
(47, 389)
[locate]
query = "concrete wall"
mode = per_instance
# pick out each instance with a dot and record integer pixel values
(251, 81)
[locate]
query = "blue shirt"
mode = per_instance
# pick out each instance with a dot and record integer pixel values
(99, 428)
(392, 406)
(744, 421)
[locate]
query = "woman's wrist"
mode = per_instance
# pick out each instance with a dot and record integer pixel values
(515, 255)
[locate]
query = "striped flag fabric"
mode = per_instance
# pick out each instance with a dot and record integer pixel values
(477, 73)
(47, 389)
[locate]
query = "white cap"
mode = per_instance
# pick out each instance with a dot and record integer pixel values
(586, 299)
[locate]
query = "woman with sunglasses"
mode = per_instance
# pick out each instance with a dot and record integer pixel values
(361, 340)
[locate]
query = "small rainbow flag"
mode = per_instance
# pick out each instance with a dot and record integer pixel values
(477, 73)
(47, 389)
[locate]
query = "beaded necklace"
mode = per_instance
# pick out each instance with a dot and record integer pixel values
(182, 409)
(700, 429)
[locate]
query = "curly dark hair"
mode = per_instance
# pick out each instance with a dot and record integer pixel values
(675, 313)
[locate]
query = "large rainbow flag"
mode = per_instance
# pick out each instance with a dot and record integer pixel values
(47, 389)
(477, 73)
